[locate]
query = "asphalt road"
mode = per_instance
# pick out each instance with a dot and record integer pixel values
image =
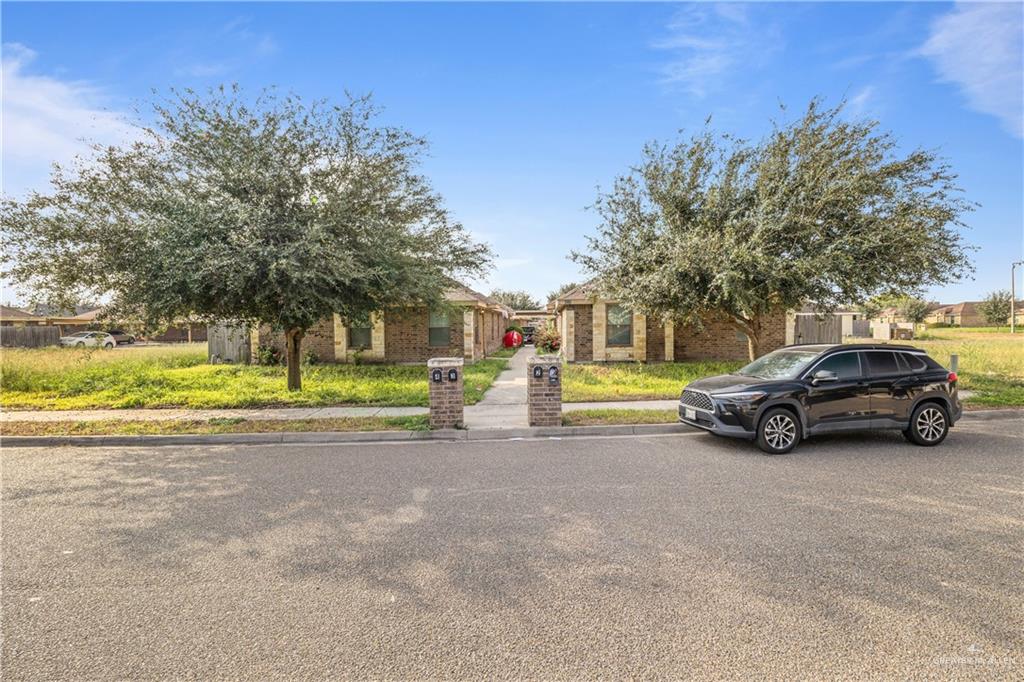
(675, 556)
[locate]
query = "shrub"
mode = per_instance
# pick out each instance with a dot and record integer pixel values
(268, 355)
(547, 339)
(310, 357)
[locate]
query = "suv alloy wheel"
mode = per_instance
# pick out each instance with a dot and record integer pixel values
(778, 432)
(929, 425)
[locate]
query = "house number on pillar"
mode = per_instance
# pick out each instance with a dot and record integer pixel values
(553, 375)
(435, 376)
(453, 375)
(538, 372)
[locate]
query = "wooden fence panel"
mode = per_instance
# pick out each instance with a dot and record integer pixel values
(36, 336)
(812, 329)
(228, 343)
(862, 328)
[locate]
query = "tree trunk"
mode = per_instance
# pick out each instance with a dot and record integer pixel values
(751, 328)
(753, 346)
(293, 356)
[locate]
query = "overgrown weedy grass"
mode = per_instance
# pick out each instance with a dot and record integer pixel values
(178, 376)
(991, 362)
(635, 381)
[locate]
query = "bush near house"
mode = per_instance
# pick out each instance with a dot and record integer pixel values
(178, 376)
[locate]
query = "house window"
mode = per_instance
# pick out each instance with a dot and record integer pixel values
(439, 334)
(619, 328)
(360, 338)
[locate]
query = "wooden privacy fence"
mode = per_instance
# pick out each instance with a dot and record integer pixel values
(29, 336)
(228, 343)
(814, 329)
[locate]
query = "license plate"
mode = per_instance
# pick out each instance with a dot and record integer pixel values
(689, 413)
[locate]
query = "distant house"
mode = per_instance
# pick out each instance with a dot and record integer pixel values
(964, 314)
(471, 328)
(533, 318)
(16, 317)
(599, 329)
(180, 332)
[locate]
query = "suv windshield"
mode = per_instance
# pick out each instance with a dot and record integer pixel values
(780, 364)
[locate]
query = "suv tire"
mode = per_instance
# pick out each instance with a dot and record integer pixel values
(778, 432)
(929, 425)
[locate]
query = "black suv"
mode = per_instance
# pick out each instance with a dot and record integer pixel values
(801, 391)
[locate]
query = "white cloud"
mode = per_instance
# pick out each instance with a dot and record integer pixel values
(708, 42)
(223, 50)
(979, 48)
(859, 103)
(47, 120)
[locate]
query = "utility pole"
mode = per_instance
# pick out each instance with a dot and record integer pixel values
(1013, 295)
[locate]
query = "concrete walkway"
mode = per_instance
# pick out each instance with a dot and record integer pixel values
(504, 404)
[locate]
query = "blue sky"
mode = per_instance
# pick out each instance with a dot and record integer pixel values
(530, 107)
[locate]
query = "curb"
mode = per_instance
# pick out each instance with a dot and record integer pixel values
(330, 437)
(444, 435)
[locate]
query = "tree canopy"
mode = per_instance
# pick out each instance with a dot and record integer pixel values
(823, 210)
(517, 300)
(996, 307)
(913, 309)
(266, 209)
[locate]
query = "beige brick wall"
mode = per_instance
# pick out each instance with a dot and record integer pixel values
(319, 339)
(583, 342)
(637, 352)
(655, 340)
(375, 353)
(406, 336)
(720, 341)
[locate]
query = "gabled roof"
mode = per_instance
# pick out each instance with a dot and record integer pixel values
(584, 293)
(10, 313)
(460, 293)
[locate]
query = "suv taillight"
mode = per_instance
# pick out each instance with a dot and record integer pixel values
(951, 378)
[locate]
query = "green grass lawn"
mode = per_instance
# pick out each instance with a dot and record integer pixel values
(178, 376)
(635, 381)
(991, 362)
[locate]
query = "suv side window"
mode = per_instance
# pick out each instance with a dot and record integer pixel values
(914, 362)
(845, 365)
(881, 363)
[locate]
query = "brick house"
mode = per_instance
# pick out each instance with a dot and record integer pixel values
(473, 330)
(16, 317)
(596, 329)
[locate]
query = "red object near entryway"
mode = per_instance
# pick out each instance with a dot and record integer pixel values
(513, 339)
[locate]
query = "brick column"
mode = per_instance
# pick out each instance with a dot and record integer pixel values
(544, 392)
(445, 378)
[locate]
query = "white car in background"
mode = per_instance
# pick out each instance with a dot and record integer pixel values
(81, 339)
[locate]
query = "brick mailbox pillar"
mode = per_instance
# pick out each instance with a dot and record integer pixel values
(544, 390)
(446, 400)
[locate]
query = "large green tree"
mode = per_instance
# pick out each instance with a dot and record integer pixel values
(996, 307)
(913, 309)
(254, 209)
(515, 299)
(824, 210)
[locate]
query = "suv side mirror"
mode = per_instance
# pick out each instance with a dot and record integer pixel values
(822, 376)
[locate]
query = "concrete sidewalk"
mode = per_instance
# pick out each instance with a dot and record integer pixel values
(504, 404)
(499, 415)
